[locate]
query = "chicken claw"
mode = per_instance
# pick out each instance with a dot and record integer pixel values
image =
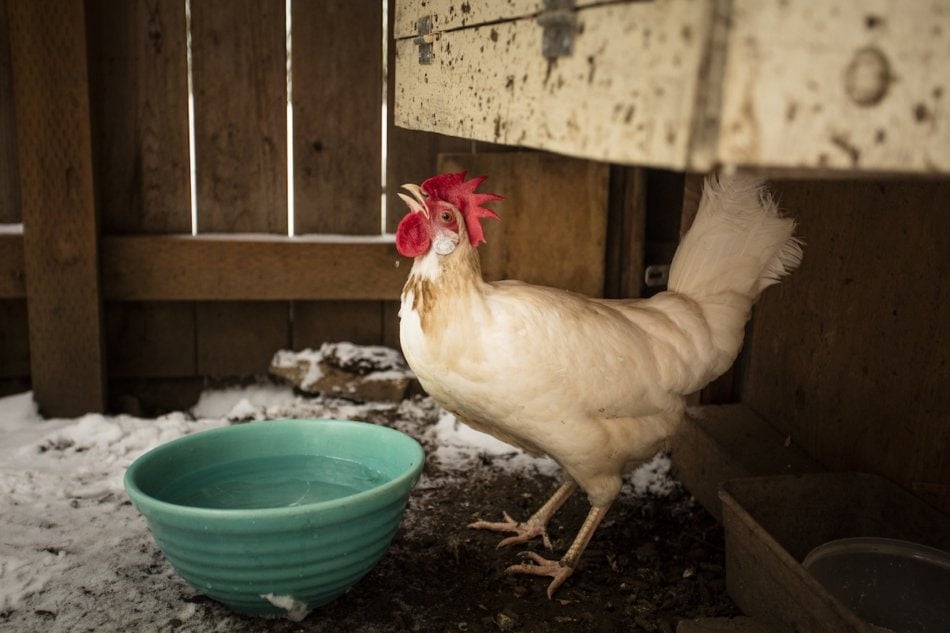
(557, 570)
(537, 525)
(524, 531)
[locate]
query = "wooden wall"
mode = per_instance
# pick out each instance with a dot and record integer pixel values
(850, 356)
(169, 310)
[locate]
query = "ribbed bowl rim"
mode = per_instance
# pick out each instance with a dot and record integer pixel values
(150, 506)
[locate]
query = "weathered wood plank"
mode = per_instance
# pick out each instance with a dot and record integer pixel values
(716, 443)
(60, 240)
(9, 185)
(239, 72)
(150, 339)
(172, 268)
(337, 59)
(626, 233)
(849, 355)
(139, 87)
(553, 219)
(239, 339)
(856, 86)
(448, 15)
(139, 93)
(318, 321)
(12, 276)
(239, 69)
(337, 93)
(14, 339)
(628, 93)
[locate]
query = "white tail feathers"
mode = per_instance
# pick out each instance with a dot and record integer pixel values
(738, 241)
(737, 246)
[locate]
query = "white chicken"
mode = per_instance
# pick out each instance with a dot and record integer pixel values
(597, 384)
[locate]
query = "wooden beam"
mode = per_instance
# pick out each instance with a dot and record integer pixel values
(250, 267)
(12, 278)
(232, 267)
(60, 242)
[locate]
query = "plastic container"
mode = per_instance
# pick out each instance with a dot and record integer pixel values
(276, 517)
(772, 523)
(898, 585)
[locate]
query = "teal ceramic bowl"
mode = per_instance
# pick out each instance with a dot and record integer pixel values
(276, 517)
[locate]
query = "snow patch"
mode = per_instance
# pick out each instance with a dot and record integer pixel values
(296, 610)
(220, 403)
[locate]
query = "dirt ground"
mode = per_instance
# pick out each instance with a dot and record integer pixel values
(655, 561)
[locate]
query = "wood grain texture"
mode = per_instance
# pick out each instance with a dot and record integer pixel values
(60, 240)
(14, 339)
(337, 92)
(172, 268)
(139, 90)
(9, 185)
(449, 14)
(842, 86)
(849, 355)
(239, 68)
(150, 339)
(240, 83)
(628, 93)
(316, 322)
(553, 219)
(239, 339)
(139, 95)
(778, 85)
(12, 275)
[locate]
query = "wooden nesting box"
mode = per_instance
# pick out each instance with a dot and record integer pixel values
(685, 84)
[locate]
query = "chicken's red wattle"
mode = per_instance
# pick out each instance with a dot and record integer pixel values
(412, 236)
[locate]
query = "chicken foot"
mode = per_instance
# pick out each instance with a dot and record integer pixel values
(562, 569)
(536, 525)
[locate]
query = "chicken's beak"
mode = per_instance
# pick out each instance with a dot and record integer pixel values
(417, 203)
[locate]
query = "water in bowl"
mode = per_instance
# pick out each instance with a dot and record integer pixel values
(271, 482)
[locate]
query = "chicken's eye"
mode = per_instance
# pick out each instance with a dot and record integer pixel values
(445, 216)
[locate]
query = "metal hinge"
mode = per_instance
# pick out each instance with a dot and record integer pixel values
(424, 40)
(560, 25)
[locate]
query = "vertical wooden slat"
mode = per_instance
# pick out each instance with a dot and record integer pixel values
(9, 187)
(849, 355)
(337, 84)
(50, 81)
(14, 339)
(337, 91)
(553, 227)
(626, 232)
(139, 97)
(14, 336)
(138, 74)
(239, 80)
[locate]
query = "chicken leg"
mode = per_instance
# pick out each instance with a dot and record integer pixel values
(561, 570)
(536, 525)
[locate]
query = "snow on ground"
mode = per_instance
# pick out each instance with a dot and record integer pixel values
(67, 528)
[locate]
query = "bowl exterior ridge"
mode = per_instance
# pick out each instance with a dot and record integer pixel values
(311, 552)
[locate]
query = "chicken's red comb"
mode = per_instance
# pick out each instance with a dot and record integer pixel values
(454, 189)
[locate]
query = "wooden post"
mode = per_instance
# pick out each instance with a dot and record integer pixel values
(60, 241)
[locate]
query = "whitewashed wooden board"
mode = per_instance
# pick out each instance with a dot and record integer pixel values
(843, 85)
(628, 93)
(792, 86)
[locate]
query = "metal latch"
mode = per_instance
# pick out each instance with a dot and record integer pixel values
(656, 275)
(424, 40)
(560, 24)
